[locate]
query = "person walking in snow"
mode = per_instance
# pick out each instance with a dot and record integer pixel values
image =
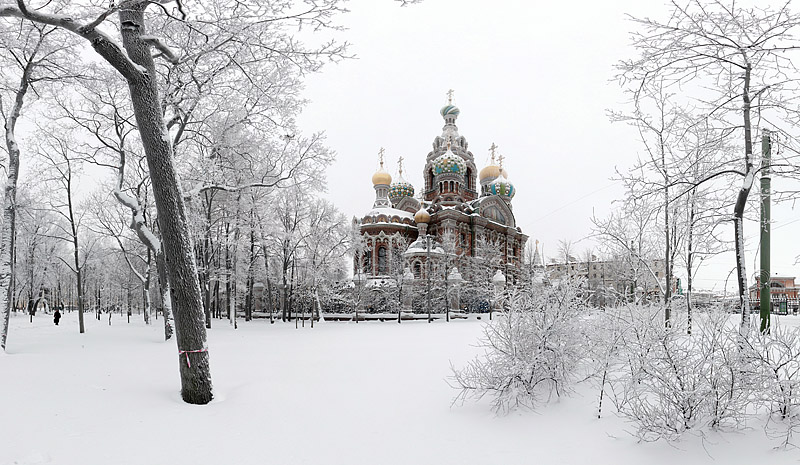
(56, 317)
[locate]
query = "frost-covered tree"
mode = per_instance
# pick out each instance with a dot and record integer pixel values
(532, 350)
(731, 62)
(30, 55)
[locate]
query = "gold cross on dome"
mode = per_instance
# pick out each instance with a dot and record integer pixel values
(500, 159)
(380, 154)
(400, 166)
(492, 150)
(450, 96)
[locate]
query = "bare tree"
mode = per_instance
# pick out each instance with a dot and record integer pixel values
(33, 50)
(735, 58)
(59, 160)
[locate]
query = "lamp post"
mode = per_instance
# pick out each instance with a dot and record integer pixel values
(499, 281)
(428, 275)
(405, 301)
(359, 280)
(454, 279)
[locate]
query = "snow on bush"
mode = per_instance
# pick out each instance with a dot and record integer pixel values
(533, 347)
(662, 379)
(670, 382)
(774, 358)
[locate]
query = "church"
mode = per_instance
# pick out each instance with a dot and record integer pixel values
(461, 212)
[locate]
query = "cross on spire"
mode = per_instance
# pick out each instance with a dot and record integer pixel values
(500, 159)
(492, 150)
(380, 155)
(400, 166)
(450, 96)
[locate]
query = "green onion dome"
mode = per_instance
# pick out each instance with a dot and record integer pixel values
(502, 187)
(449, 162)
(400, 189)
(449, 110)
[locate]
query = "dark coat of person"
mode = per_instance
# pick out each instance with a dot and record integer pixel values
(56, 317)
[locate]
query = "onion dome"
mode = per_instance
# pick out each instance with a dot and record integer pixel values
(422, 216)
(490, 173)
(449, 162)
(502, 187)
(381, 177)
(400, 188)
(449, 110)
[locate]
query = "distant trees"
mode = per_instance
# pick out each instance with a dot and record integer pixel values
(37, 53)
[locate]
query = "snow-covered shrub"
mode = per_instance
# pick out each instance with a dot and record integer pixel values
(775, 360)
(532, 349)
(673, 382)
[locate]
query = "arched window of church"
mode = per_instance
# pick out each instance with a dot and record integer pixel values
(383, 262)
(367, 261)
(468, 178)
(397, 260)
(417, 270)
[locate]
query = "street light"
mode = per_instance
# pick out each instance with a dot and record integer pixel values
(405, 300)
(499, 281)
(359, 280)
(428, 275)
(454, 279)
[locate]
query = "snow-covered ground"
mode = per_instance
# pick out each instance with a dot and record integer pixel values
(341, 393)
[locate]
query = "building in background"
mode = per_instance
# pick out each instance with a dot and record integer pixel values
(458, 213)
(617, 278)
(783, 294)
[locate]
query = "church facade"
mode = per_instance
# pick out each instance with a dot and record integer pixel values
(460, 212)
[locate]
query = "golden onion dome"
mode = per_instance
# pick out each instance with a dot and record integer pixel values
(491, 171)
(381, 177)
(422, 216)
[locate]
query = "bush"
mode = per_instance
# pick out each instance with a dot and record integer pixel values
(532, 350)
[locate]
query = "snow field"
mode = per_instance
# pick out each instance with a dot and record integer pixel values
(341, 393)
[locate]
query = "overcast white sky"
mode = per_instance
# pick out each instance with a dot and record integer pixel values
(533, 77)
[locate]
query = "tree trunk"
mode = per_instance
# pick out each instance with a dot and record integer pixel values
(207, 259)
(689, 260)
(166, 293)
(8, 232)
(248, 315)
(741, 202)
(186, 299)
(148, 277)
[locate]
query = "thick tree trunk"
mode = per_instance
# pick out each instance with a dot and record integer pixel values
(7, 234)
(186, 298)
